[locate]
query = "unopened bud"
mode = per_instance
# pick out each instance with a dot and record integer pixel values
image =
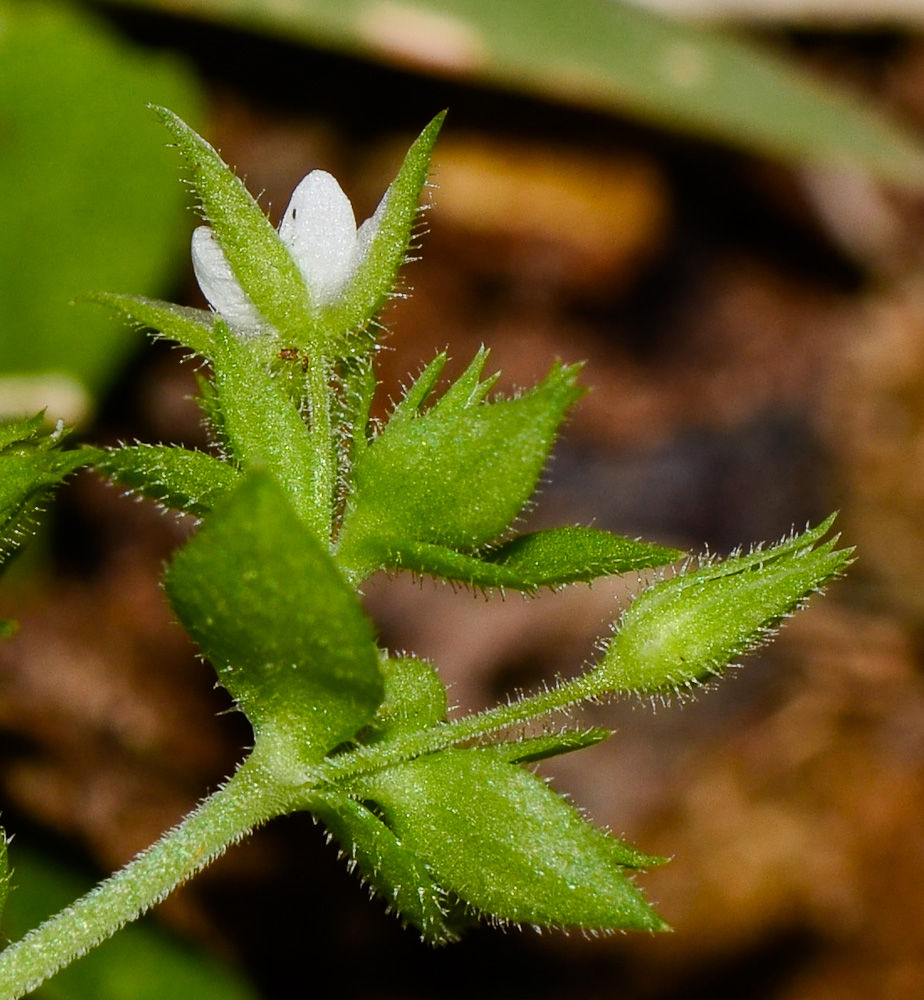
(683, 630)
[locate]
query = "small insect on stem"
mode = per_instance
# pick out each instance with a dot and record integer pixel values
(293, 354)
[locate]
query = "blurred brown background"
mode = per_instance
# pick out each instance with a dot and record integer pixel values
(754, 339)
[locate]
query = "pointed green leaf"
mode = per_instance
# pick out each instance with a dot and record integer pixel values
(259, 259)
(468, 389)
(31, 466)
(496, 835)
(396, 873)
(457, 474)
(188, 481)
(392, 225)
(566, 555)
(690, 627)
(418, 391)
(269, 608)
(549, 558)
(190, 327)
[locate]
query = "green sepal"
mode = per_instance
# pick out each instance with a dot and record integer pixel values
(415, 698)
(549, 558)
(457, 474)
(8, 628)
(260, 426)
(348, 319)
(190, 327)
(469, 389)
(269, 608)
(500, 839)
(188, 481)
(261, 262)
(688, 628)
(397, 874)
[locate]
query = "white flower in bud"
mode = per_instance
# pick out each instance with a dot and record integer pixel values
(319, 230)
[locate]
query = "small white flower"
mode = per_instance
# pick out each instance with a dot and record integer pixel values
(319, 230)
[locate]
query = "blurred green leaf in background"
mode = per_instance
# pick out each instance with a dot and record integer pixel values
(607, 55)
(79, 212)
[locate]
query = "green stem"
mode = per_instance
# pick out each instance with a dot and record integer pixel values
(321, 431)
(250, 797)
(367, 760)
(258, 792)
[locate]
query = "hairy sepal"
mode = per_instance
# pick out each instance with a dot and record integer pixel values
(261, 262)
(188, 481)
(686, 629)
(190, 327)
(457, 474)
(500, 839)
(269, 608)
(357, 385)
(346, 323)
(22, 432)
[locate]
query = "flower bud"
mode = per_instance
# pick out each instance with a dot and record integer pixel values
(682, 630)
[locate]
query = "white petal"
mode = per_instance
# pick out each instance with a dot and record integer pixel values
(367, 231)
(319, 229)
(220, 287)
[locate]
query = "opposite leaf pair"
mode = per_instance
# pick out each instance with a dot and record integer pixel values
(429, 832)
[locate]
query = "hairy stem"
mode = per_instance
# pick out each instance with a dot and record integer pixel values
(367, 760)
(321, 431)
(258, 792)
(250, 797)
